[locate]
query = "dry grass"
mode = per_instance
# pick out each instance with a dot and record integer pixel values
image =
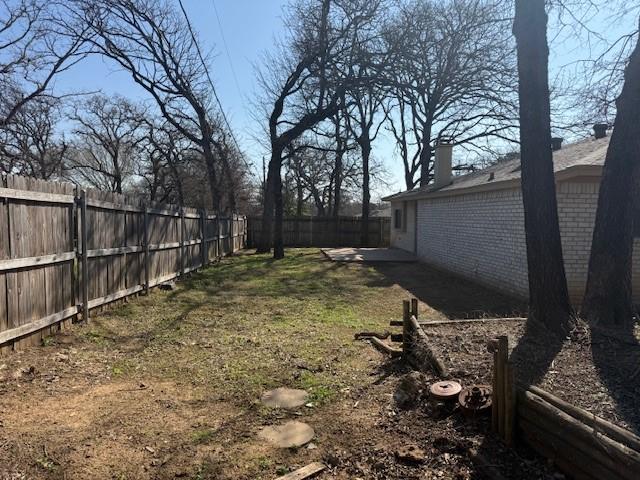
(167, 386)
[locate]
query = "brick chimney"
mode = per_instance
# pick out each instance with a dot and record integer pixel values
(600, 130)
(556, 143)
(442, 162)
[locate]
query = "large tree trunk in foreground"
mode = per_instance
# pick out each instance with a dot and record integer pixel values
(608, 298)
(548, 295)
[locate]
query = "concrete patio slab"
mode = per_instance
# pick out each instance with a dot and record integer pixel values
(368, 255)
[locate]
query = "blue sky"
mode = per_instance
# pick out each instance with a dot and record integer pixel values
(250, 28)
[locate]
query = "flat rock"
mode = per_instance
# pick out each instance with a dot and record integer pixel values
(288, 435)
(284, 398)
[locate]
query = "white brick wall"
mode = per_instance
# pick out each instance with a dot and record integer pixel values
(481, 236)
(577, 203)
(404, 238)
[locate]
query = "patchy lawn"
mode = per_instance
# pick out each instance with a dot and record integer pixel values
(168, 386)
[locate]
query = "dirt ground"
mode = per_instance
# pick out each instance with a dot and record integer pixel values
(168, 386)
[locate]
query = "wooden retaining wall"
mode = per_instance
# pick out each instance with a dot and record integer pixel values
(326, 231)
(580, 444)
(48, 277)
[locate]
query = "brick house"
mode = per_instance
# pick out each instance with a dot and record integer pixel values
(473, 225)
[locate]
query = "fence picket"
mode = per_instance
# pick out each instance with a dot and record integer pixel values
(66, 251)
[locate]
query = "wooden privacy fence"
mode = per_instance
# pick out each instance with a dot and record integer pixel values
(65, 251)
(326, 231)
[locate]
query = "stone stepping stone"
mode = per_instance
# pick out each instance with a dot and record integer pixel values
(288, 435)
(285, 398)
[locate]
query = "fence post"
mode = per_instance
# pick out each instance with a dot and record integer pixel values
(146, 249)
(182, 227)
(218, 237)
(232, 242)
(85, 258)
(204, 251)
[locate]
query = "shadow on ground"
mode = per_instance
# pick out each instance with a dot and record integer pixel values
(434, 287)
(616, 355)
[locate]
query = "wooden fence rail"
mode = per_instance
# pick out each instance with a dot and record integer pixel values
(326, 231)
(65, 251)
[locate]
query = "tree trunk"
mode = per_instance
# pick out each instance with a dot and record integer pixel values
(366, 194)
(548, 295)
(425, 156)
(273, 172)
(299, 197)
(608, 297)
(209, 161)
(278, 234)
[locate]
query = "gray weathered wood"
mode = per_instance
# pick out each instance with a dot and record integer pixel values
(17, 263)
(147, 259)
(108, 252)
(85, 257)
(36, 196)
(34, 326)
(304, 472)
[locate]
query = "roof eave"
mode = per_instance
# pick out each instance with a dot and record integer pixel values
(561, 176)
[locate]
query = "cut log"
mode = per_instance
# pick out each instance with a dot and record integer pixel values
(421, 351)
(614, 432)
(304, 472)
(564, 455)
(620, 459)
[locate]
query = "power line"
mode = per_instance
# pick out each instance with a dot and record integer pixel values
(226, 48)
(213, 88)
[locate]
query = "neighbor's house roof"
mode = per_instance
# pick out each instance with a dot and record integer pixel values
(581, 159)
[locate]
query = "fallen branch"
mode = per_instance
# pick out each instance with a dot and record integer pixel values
(380, 345)
(366, 335)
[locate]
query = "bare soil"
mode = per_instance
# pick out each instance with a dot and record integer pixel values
(168, 386)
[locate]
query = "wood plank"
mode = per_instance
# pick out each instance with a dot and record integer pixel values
(32, 196)
(42, 260)
(305, 472)
(31, 327)
(85, 259)
(96, 302)
(109, 252)
(95, 203)
(622, 460)
(612, 431)
(164, 212)
(162, 279)
(164, 246)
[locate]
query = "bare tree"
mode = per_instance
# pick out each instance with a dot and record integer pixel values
(305, 85)
(107, 135)
(150, 40)
(30, 144)
(35, 46)
(548, 295)
(364, 123)
(451, 74)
